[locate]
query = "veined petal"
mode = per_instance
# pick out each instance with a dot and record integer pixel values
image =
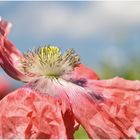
(28, 114)
(87, 108)
(92, 109)
(54, 88)
(9, 54)
(122, 102)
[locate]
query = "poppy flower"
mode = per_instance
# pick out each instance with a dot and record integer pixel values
(60, 94)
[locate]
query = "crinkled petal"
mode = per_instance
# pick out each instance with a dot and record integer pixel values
(87, 108)
(121, 102)
(53, 88)
(28, 114)
(10, 55)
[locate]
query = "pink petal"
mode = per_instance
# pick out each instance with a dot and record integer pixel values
(89, 113)
(122, 103)
(84, 72)
(4, 27)
(10, 55)
(4, 30)
(80, 75)
(28, 114)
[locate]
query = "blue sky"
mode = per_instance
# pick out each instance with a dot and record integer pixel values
(98, 31)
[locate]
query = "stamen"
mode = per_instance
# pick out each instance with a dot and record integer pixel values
(48, 61)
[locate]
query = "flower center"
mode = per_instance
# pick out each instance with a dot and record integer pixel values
(49, 61)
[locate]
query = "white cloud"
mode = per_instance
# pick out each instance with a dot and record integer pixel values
(80, 22)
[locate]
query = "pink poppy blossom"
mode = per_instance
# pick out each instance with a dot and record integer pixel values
(60, 94)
